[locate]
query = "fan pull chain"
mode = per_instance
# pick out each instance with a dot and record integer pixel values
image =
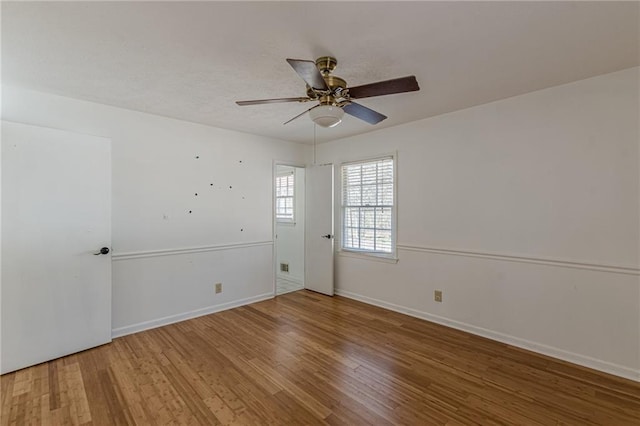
(314, 143)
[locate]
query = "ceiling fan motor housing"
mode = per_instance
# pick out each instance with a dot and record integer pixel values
(336, 85)
(326, 64)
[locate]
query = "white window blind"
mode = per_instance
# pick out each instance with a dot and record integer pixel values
(285, 185)
(367, 206)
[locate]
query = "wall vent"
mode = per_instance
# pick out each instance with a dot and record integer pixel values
(284, 267)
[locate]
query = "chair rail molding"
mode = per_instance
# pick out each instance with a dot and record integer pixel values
(563, 263)
(186, 250)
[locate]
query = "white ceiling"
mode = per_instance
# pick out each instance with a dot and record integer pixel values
(191, 61)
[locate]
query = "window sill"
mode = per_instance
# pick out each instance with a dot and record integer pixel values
(368, 256)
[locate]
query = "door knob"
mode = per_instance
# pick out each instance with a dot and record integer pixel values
(103, 250)
(328, 236)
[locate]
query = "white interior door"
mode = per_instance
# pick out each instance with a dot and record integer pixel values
(319, 229)
(56, 213)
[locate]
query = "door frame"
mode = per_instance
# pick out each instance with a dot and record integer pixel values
(274, 262)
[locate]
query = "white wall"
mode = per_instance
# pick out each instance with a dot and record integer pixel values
(524, 212)
(166, 260)
(290, 241)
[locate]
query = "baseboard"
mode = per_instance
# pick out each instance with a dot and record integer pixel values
(147, 325)
(585, 361)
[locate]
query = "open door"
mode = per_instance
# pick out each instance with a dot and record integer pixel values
(56, 236)
(319, 229)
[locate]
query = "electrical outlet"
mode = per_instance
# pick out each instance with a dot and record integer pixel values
(437, 295)
(218, 288)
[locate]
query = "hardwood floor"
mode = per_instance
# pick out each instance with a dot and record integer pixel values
(303, 358)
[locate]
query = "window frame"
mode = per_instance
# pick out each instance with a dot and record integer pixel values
(369, 254)
(292, 220)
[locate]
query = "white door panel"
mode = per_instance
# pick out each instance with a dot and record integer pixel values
(56, 213)
(319, 229)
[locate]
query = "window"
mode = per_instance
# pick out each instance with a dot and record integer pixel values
(368, 211)
(285, 184)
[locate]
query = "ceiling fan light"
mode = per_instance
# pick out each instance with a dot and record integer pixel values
(326, 115)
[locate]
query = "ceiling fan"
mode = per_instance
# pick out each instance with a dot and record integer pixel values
(334, 96)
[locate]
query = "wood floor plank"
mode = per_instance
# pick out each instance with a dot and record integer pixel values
(307, 359)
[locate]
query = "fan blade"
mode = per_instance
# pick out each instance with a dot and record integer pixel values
(309, 73)
(388, 87)
(272, 101)
(300, 115)
(364, 113)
